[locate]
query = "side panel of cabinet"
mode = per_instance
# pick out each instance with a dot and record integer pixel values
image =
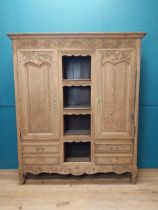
(115, 93)
(38, 94)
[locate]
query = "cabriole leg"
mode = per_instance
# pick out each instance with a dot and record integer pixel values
(22, 177)
(133, 178)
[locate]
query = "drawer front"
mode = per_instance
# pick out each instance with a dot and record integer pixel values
(41, 149)
(105, 148)
(113, 160)
(41, 160)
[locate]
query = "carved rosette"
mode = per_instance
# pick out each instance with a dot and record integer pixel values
(76, 170)
(116, 56)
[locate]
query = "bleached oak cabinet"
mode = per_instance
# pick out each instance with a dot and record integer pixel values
(77, 102)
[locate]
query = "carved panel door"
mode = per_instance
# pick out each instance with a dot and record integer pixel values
(38, 94)
(115, 93)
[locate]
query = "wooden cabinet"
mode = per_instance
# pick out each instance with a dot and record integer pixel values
(77, 102)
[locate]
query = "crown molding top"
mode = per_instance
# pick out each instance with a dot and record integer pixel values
(90, 35)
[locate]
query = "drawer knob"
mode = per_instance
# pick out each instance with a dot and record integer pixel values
(40, 149)
(115, 149)
(40, 160)
(114, 160)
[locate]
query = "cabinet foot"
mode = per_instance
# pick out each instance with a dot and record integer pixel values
(133, 179)
(22, 180)
(22, 177)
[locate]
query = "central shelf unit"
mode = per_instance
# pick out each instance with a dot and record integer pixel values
(76, 83)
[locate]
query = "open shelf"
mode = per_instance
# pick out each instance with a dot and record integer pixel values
(77, 97)
(77, 132)
(77, 138)
(77, 152)
(71, 111)
(77, 159)
(77, 107)
(77, 125)
(76, 67)
(70, 83)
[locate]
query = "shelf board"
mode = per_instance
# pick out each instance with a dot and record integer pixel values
(77, 107)
(76, 111)
(77, 159)
(77, 132)
(77, 138)
(70, 83)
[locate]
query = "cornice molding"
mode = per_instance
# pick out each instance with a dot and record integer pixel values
(90, 35)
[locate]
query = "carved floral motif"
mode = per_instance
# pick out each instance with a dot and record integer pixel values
(77, 169)
(75, 43)
(35, 57)
(61, 43)
(116, 56)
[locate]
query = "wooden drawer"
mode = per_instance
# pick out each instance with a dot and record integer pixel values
(124, 160)
(41, 160)
(40, 148)
(105, 148)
